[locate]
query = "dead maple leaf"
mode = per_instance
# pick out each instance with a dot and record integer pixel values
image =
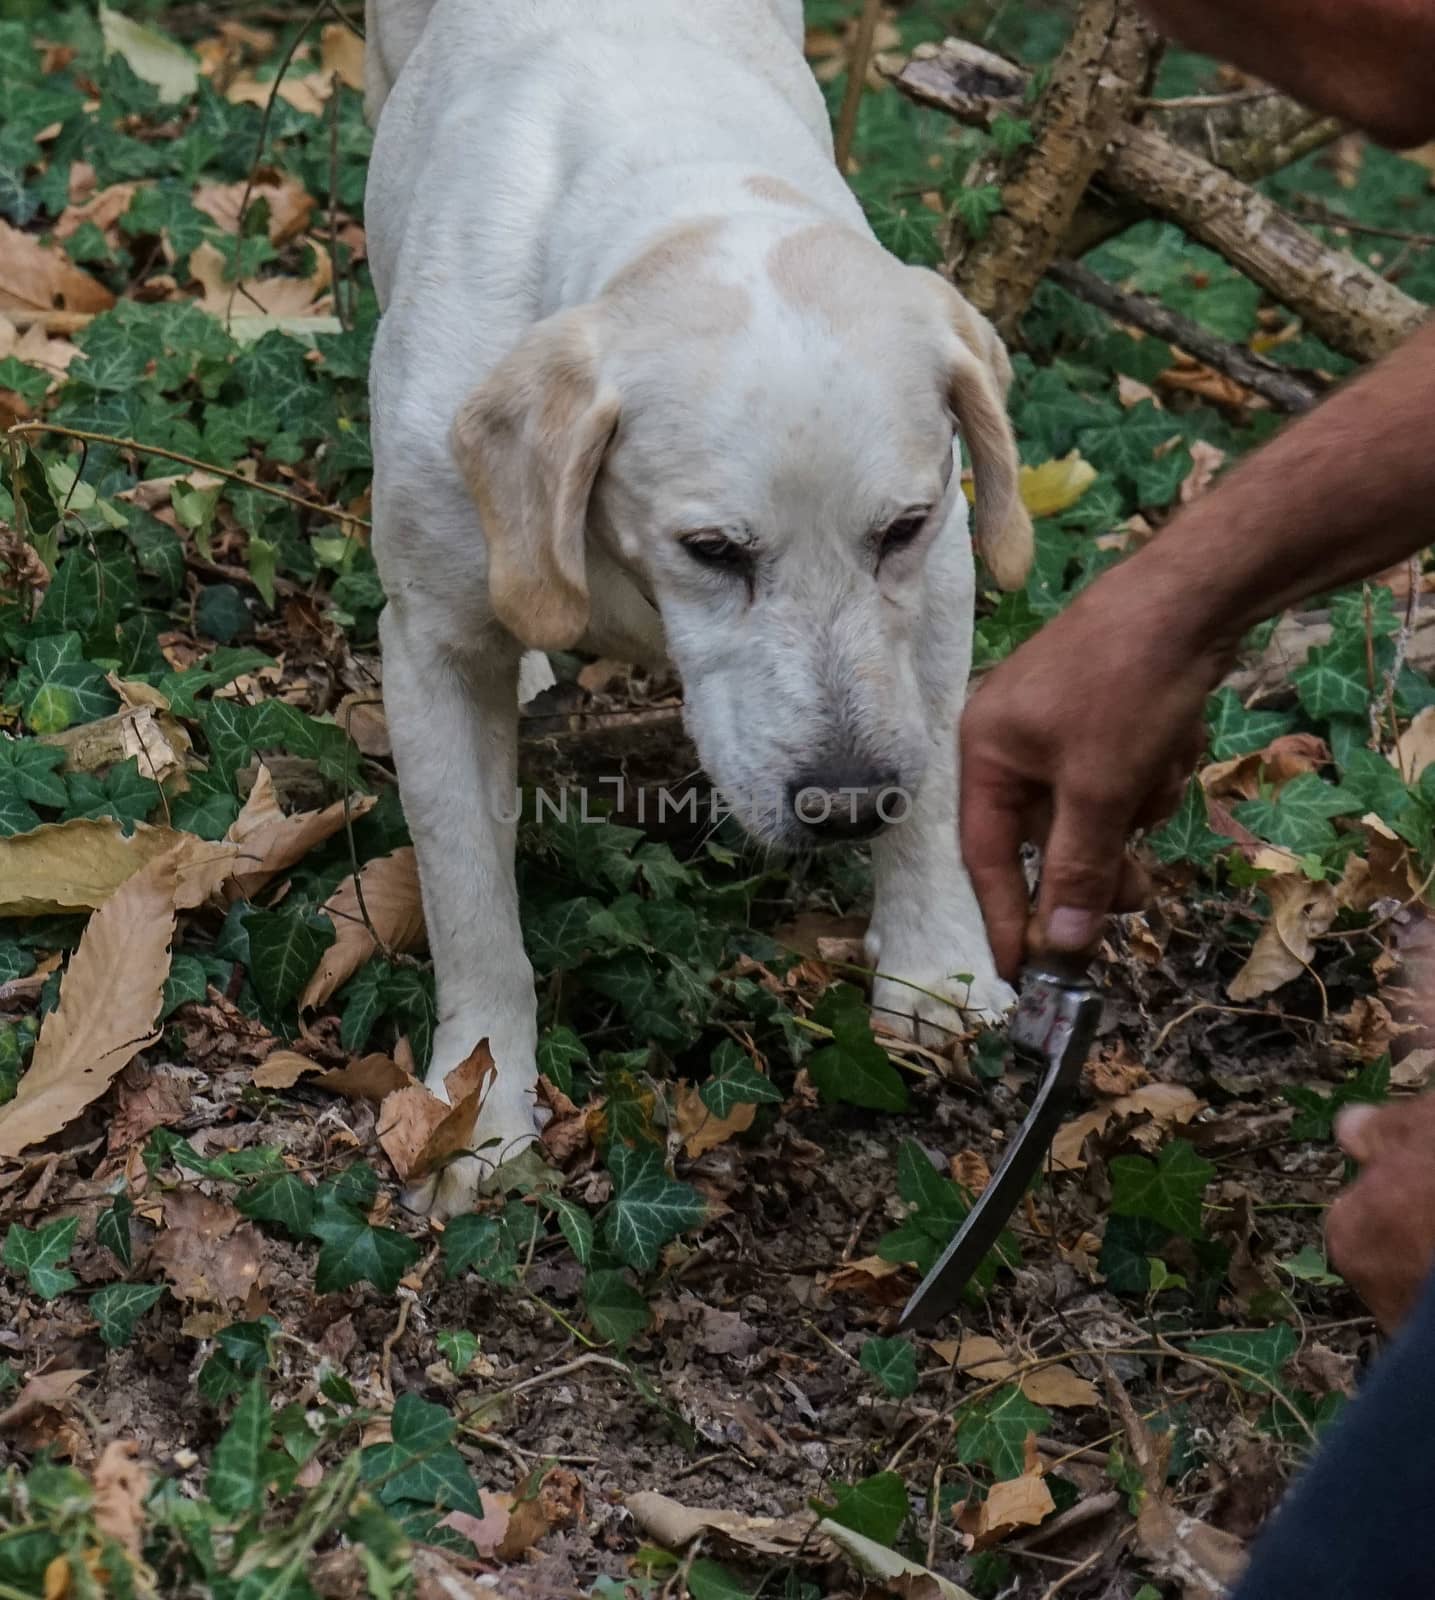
(418, 1132)
(702, 1130)
(208, 1252)
(984, 1358)
(109, 1002)
(290, 203)
(269, 842)
(121, 1485)
(341, 50)
(37, 277)
(382, 913)
(79, 865)
(1300, 911)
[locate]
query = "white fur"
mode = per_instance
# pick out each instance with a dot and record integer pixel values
(529, 151)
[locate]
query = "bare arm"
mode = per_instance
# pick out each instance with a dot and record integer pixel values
(1371, 62)
(1088, 727)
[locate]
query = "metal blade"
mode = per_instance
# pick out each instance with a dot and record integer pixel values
(1054, 1025)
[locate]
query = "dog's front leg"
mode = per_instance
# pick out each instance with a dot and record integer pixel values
(453, 719)
(926, 941)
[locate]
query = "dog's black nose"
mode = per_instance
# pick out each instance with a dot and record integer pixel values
(846, 802)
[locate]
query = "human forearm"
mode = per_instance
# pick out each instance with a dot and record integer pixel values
(1346, 492)
(1369, 61)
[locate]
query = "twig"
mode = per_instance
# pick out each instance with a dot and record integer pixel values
(334, 513)
(1323, 216)
(1077, 1516)
(858, 65)
(1070, 1577)
(1268, 379)
(1205, 102)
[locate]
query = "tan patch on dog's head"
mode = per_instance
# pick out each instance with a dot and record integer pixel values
(682, 261)
(815, 269)
(776, 191)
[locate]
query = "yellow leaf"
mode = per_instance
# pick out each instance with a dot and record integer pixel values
(153, 57)
(110, 997)
(78, 865)
(1056, 485)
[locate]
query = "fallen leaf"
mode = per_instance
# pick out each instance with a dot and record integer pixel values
(121, 1485)
(1415, 748)
(290, 203)
(103, 209)
(207, 1250)
(487, 1532)
(536, 1509)
(875, 1279)
(283, 1069)
(153, 57)
(1208, 461)
(419, 1132)
(109, 1002)
(702, 1130)
(79, 865)
(1167, 1104)
(269, 842)
(984, 1358)
(37, 1416)
(37, 277)
(385, 903)
(341, 50)
(1115, 1072)
(897, 1575)
(1207, 382)
(1414, 1071)
(362, 717)
(281, 297)
(674, 1525)
(1131, 392)
(970, 1171)
(1014, 1503)
(1246, 776)
(1300, 911)
(372, 1077)
(1059, 1386)
(1056, 486)
(155, 741)
(309, 94)
(146, 1098)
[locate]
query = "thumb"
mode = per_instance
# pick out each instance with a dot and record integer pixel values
(1081, 873)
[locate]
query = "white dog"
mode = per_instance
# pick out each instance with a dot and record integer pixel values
(646, 385)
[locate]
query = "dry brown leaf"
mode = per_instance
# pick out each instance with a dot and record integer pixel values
(39, 1417)
(283, 1069)
(79, 865)
(290, 204)
(341, 50)
(1415, 748)
(309, 94)
(487, 1532)
(103, 209)
(207, 1250)
(109, 1002)
(536, 1509)
(46, 1391)
(702, 1130)
(121, 1484)
(1015, 1503)
(1115, 1072)
(984, 1358)
(1287, 757)
(1059, 1386)
(269, 842)
(260, 297)
(673, 1525)
(1300, 911)
(1414, 1071)
(155, 741)
(146, 1098)
(37, 277)
(1207, 382)
(390, 897)
(1131, 392)
(970, 1171)
(419, 1132)
(372, 1077)
(362, 717)
(1167, 1104)
(879, 1281)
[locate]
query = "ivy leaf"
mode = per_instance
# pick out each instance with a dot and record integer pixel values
(735, 1082)
(993, 1432)
(1261, 1355)
(854, 1068)
(459, 1348)
(58, 687)
(419, 1464)
(353, 1249)
(1335, 680)
(1187, 834)
(893, 1362)
(876, 1507)
(574, 1223)
(483, 1244)
(560, 1053)
(38, 1253)
(1168, 1190)
(1308, 1265)
(31, 770)
(1369, 1086)
(649, 1207)
(284, 949)
(975, 206)
(1298, 817)
(1235, 731)
(615, 1308)
(284, 1199)
(243, 1462)
(1127, 1249)
(118, 1308)
(710, 1580)
(112, 1229)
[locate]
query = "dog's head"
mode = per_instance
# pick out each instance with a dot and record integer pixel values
(758, 425)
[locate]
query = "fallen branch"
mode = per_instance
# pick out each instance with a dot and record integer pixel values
(1341, 300)
(1277, 384)
(1093, 88)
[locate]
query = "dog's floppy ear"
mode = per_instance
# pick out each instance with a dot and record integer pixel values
(529, 442)
(980, 377)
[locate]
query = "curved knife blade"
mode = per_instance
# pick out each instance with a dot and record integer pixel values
(1053, 1027)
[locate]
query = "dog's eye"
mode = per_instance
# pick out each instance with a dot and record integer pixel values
(717, 550)
(904, 531)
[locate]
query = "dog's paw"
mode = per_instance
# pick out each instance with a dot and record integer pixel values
(936, 1008)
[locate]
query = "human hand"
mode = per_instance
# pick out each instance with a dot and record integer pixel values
(1084, 734)
(1381, 1230)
